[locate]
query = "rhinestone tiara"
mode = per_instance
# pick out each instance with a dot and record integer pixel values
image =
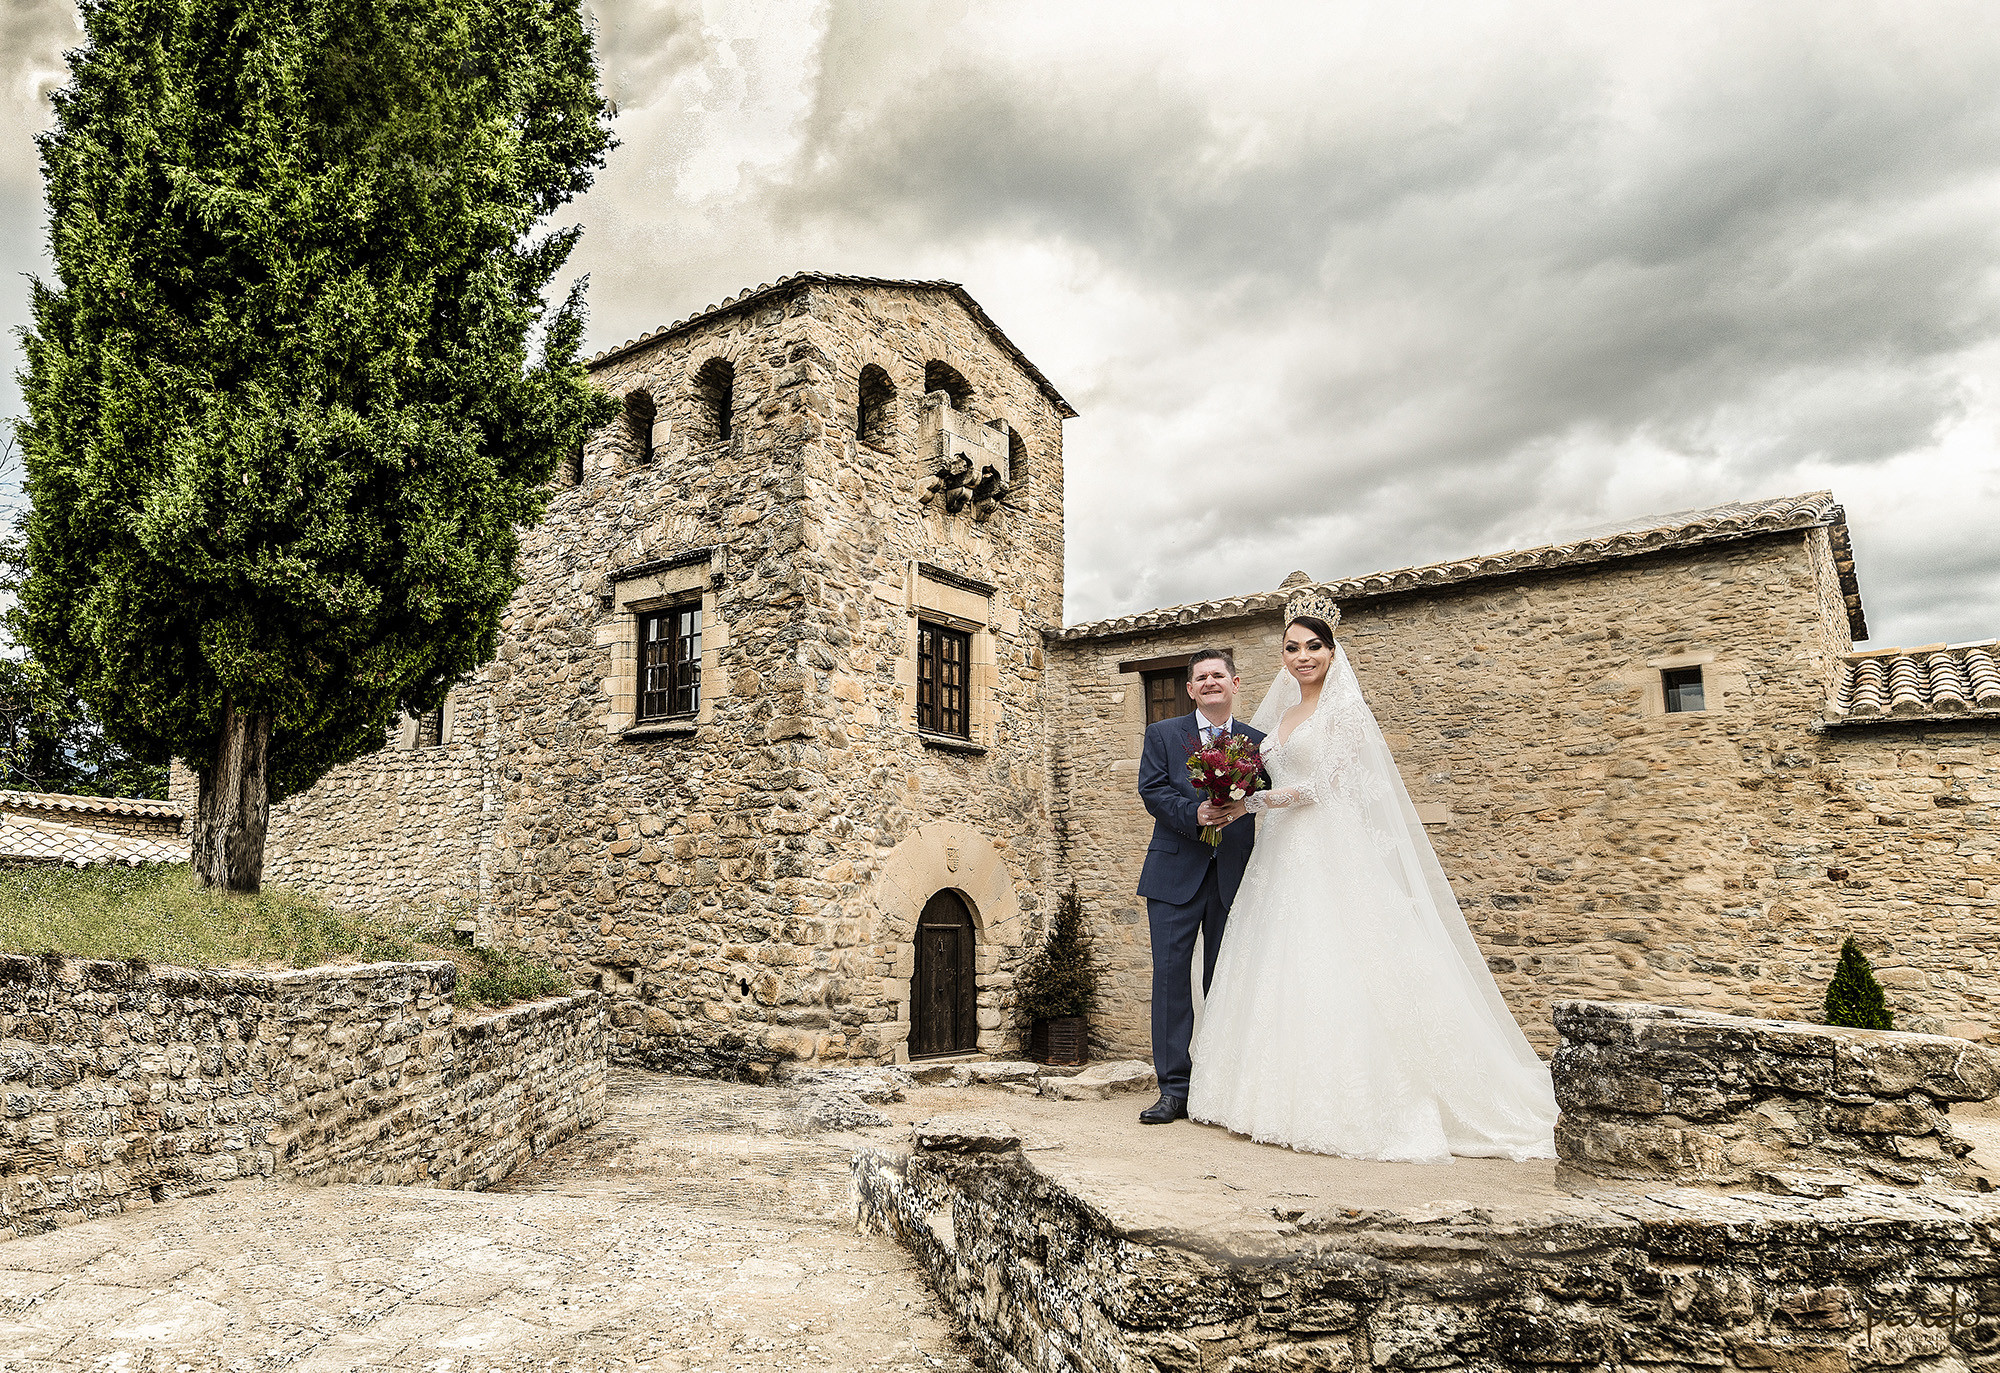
(1312, 600)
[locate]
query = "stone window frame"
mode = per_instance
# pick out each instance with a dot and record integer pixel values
(1675, 681)
(676, 579)
(964, 603)
(407, 725)
(1653, 686)
(940, 375)
(1147, 670)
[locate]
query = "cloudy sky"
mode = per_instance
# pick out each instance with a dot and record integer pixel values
(1345, 286)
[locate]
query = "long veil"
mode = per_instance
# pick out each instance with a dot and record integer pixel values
(1390, 818)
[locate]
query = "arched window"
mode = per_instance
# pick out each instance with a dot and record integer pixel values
(875, 408)
(572, 468)
(639, 416)
(942, 376)
(1017, 456)
(714, 399)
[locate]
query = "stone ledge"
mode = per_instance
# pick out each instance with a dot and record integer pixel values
(950, 743)
(665, 729)
(1049, 1270)
(1660, 1091)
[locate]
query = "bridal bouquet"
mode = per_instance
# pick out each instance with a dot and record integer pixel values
(1225, 771)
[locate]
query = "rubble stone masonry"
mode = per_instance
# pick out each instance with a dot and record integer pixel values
(1652, 1092)
(122, 1085)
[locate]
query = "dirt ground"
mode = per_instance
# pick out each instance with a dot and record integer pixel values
(699, 1227)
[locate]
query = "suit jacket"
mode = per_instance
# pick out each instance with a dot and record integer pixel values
(1178, 857)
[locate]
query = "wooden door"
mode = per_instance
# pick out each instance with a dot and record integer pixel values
(944, 999)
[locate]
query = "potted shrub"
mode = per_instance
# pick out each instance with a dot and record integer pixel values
(1057, 987)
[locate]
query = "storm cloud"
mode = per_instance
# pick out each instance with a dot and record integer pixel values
(1350, 287)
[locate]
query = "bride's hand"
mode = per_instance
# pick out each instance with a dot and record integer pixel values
(1212, 814)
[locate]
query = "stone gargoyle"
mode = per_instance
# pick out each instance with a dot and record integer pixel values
(987, 495)
(951, 486)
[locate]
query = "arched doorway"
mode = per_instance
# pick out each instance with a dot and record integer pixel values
(944, 995)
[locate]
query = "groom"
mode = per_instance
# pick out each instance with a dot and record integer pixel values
(1188, 883)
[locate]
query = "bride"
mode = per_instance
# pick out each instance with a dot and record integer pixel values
(1351, 1012)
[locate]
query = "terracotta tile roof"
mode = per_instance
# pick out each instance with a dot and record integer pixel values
(136, 806)
(1650, 534)
(40, 839)
(745, 299)
(1938, 682)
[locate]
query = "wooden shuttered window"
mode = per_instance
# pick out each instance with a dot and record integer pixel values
(670, 662)
(944, 658)
(1166, 694)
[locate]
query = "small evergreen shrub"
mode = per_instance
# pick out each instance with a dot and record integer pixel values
(1060, 978)
(1854, 998)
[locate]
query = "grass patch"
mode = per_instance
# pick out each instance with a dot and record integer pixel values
(161, 914)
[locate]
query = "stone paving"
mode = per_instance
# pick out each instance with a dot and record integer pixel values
(701, 1227)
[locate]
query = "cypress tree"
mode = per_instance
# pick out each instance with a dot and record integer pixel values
(283, 419)
(1854, 998)
(1059, 979)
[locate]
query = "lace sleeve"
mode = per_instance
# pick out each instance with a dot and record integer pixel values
(1299, 794)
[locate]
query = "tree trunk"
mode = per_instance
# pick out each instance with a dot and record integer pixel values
(235, 805)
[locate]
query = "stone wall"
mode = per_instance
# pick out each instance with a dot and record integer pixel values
(1600, 846)
(1047, 1278)
(1661, 1092)
(121, 1084)
(405, 827)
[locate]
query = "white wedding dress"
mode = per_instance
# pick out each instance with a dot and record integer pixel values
(1351, 1012)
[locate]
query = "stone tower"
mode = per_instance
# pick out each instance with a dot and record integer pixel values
(762, 755)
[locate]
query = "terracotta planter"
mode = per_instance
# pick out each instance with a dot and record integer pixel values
(1064, 1040)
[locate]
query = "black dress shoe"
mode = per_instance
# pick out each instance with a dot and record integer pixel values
(1164, 1111)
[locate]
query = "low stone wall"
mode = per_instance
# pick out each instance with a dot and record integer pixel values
(122, 1084)
(1659, 1091)
(1047, 1278)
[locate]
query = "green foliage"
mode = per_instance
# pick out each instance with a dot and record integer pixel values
(283, 419)
(50, 742)
(161, 914)
(500, 977)
(1060, 978)
(48, 739)
(1854, 998)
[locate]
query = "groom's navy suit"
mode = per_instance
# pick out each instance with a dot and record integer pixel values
(1188, 885)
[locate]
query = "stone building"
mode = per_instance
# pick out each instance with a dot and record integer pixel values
(763, 754)
(1650, 762)
(787, 749)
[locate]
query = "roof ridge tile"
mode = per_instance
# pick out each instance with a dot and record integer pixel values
(1682, 529)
